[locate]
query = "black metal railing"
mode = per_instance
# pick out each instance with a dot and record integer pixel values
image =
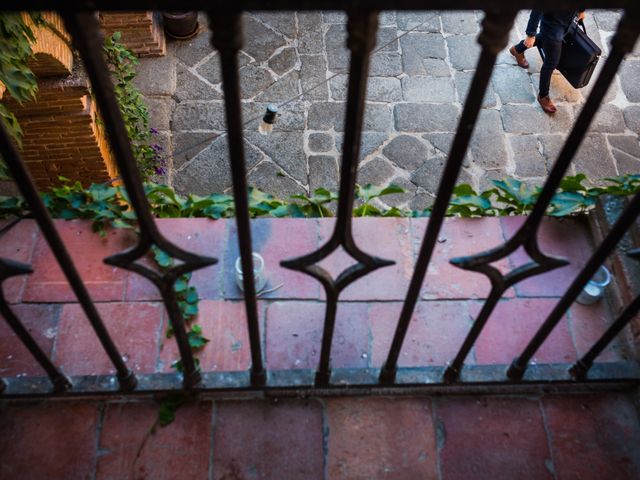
(82, 24)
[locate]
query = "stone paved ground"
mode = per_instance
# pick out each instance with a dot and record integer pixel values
(417, 87)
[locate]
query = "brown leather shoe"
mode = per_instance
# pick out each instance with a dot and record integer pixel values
(520, 58)
(546, 104)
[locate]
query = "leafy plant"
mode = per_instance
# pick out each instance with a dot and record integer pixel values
(122, 63)
(15, 75)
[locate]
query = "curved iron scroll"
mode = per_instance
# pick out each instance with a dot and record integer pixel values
(8, 269)
(361, 29)
(494, 37)
(85, 31)
(526, 236)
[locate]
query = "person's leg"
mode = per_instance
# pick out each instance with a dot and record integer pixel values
(518, 52)
(552, 52)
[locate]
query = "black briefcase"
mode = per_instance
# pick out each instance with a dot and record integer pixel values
(579, 56)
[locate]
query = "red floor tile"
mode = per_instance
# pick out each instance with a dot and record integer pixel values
(435, 333)
(41, 321)
(566, 237)
(104, 282)
(201, 236)
(18, 244)
(513, 324)
(492, 438)
(134, 327)
(41, 441)
(294, 335)
(594, 437)
(275, 240)
(381, 438)
(459, 237)
(225, 325)
(268, 441)
(386, 238)
(178, 450)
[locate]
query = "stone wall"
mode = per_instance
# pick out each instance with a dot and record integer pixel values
(142, 32)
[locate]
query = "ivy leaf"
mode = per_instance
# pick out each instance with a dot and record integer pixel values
(162, 258)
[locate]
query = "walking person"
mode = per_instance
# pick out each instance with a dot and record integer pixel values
(553, 27)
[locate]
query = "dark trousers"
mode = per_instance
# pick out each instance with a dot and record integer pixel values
(552, 51)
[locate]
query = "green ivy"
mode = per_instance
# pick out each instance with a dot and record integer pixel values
(122, 64)
(16, 76)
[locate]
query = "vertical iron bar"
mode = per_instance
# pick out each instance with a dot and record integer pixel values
(493, 38)
(24, 182)
(85, 32)
(227, 39)
(581, 367)
(361, 30)
(628, 216)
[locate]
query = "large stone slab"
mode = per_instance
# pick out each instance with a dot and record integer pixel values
(283, 61)
(463, 82)
(269, 178)
(629, 75)
(457, 23)
(199, 116)
(463, 51)
(190, 87)
(418, 47)
(594, 159)
(428, 89)
(309, 32)
(408, 152)
(528, 156)
(414, 117)
(512, 84)
(609, 119)
(313, 69)
(420, 21)
(323, 172)
(209, 171)
(377, 171)
(632, 118)
(261, 42)
(286, 149)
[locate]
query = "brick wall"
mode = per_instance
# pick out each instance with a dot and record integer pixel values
(52, 52)
(61, 134)
(142, 32)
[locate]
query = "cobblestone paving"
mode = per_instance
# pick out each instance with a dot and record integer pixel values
(416, 90)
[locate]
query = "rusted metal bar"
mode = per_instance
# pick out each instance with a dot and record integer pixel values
(361, 27)
(85, 31)
(227, 39)
(494, 37)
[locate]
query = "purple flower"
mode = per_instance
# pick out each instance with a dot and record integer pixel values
(157, 148)
(159, 170)
(153, 130)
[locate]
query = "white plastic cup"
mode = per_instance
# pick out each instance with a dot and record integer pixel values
(594, 289)
(259, 278)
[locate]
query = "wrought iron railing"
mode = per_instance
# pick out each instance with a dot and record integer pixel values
(227, 38)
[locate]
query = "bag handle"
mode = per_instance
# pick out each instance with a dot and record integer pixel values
(581, 23)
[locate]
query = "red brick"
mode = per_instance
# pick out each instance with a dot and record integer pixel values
(276, 240)
(41, 321)
(56, 440)
(294, 335)
(492, 438)
(258, 439)
(386, 238)
(568, 238)
(459, 237)
(511, 327)
(17, 244)
(435, 333)
(588, 324)
(134, 327)
(594, 437)
(179, 450)
(87, 249)
(225, 325)
(382, 438)
(201, 236)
